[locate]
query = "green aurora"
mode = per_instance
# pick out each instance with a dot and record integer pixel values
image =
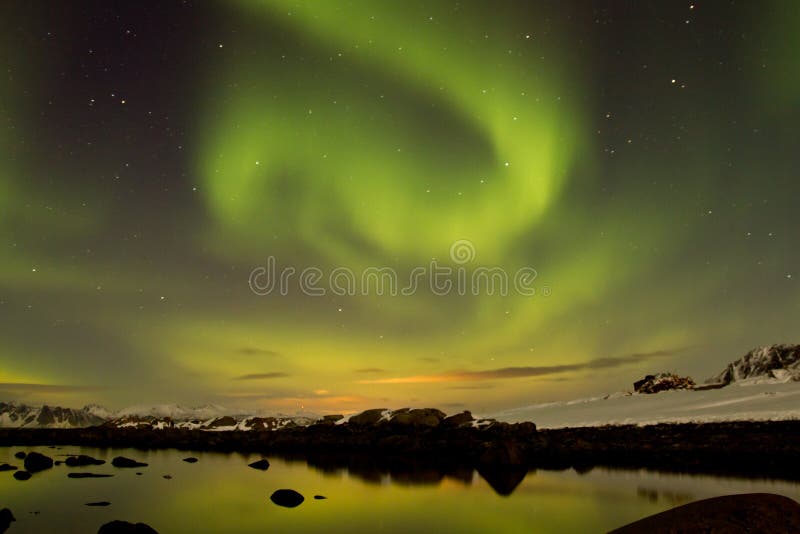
(643, 165)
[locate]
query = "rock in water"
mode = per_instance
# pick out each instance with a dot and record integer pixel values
(190, 460)
(98, 503)
(35, 462)
(87, 475)
(20, 455)
(320, 497)
(82, 459)
(7, 467)
(124, 527)
(121, 461)
(287, 498)
(6, 517)
(261, 464)
(22, 475)
(731, 514)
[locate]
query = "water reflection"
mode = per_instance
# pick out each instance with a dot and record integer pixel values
(220, 493)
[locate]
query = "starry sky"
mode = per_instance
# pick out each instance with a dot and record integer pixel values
(640, 157)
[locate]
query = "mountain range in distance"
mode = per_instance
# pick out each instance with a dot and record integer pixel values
(772, 364)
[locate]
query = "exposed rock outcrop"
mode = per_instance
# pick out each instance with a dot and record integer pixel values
(774, 363)
(662, 382)
(731, 514)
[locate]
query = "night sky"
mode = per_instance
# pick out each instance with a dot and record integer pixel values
(641, 156)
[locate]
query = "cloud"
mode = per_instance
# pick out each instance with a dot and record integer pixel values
(524, 372)
(261, 376)
(371, 370)
(47, 388)
(255, 351)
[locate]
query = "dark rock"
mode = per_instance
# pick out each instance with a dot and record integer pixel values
(6, 517)
(730, 514)
(7, 467)
(287, 498)
(22, 475)
(124, 527)
(504, 452)
(190, 460)
(458, 419)
(82, 459)
(35, 462)
(20, 455)
(265, 423)
(138, 474)
(262, 464)
(221, 421)
(423, 417)
(98, 503)
(319, 497)
(329, 420)
(168, 477)
(88, 475)
(369, 417)
(121, 461)
(662, 382)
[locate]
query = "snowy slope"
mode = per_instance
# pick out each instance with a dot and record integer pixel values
(746, 401)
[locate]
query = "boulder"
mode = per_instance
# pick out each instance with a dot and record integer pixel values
(124, 527)
(319, 497)
(7, 467)
(98, 503)
(262, 464)
(731, 514)
(20, 455)
(121, 461)
(6, 518)
(190, 460)
(81, 460)
(422, 417)
(368, 417)
(458, 419)
(287, 498)
(22, 475)
(662, 382)
(35, 462)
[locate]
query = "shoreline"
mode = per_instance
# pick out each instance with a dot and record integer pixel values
(752, 449)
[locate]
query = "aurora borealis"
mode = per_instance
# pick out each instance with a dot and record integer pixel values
(640, 156)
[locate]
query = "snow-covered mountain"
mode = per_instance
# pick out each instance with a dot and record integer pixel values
(23, 416)
(208, 417)
(772, 364)
(175, 412)
(225, 422)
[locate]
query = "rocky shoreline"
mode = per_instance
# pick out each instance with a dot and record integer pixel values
(749, 449)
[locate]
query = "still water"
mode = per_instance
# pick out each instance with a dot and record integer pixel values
(221, 494)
